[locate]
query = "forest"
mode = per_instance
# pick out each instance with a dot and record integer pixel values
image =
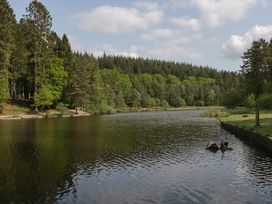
(39, 69)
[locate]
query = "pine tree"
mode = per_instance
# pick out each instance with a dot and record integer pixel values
(84, 80)
(254, 70)
(7, 45)
(38, 29)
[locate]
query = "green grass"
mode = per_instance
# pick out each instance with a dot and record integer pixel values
(247, 121)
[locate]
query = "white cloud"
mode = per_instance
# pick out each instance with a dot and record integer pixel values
(158, 34)
(215, 12)
(237, 44)
(191, 23)
(175, 48)
(146, 5)
(111, 19)
(166, 51)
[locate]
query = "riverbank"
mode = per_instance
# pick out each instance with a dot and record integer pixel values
(241, 123)
(247, 121)
(15, 112)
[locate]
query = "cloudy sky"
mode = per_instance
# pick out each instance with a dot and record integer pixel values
(202, 32)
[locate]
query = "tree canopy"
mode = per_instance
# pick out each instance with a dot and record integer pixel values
(38, 67)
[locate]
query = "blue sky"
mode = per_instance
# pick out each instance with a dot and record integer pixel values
(202, 32)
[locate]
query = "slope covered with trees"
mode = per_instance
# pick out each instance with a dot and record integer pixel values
(39, 68)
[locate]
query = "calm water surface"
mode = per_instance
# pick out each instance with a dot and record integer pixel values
(155, 157)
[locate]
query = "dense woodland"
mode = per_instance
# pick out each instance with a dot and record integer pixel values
(39, 68)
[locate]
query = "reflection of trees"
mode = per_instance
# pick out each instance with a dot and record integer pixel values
(45, 156)
(38, 165)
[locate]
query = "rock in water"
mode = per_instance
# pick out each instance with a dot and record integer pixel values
(212, 146)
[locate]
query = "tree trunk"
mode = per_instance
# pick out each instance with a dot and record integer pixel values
(257, 114)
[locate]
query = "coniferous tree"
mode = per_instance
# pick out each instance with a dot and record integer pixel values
(7, 45)
(84, 80)
(38, 23)
(254, 70)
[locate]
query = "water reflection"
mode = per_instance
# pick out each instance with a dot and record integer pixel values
(128, 158)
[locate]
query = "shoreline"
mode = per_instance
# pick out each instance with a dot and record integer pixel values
(41, 115)
(56, 114)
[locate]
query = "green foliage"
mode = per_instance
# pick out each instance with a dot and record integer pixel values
(215, 114)
(164, 104)
(84, 79)
(211, 98)
(100, 108)
(43, 97)
(38, 65)
(62, 108)
(250, 101)
(57, 77)
(257, 69)
(133, 99)
(265, 101)
(232, 99)
(7, 34)
(37, 32)
(4, 86)
(178, 102)
(149, 102)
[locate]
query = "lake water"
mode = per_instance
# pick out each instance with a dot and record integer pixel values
(153, 157)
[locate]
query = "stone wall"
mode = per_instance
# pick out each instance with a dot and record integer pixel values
(254, 139)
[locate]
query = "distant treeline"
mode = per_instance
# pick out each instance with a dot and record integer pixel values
(38, 68)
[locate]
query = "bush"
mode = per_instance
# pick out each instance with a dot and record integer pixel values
(250, 101)
(178, 102)
(149, 102)
(265, 101)
(200, 103)
(233, 99)
(100, 108)
(43, 97)
(61, 107)
(164, 104)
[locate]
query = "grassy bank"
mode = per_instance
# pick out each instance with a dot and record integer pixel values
(247, 121)
(244, 118)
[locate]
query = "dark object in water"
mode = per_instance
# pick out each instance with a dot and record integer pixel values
(212, 146)
(224, 146)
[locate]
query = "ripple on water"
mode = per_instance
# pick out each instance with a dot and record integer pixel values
(155, 157)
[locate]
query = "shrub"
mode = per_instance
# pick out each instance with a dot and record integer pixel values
(61, 107)
(164, 104)
(178, 102)
(265, 101)
(250, 101)
(100, 108)
(200, 103)
(232, 99)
